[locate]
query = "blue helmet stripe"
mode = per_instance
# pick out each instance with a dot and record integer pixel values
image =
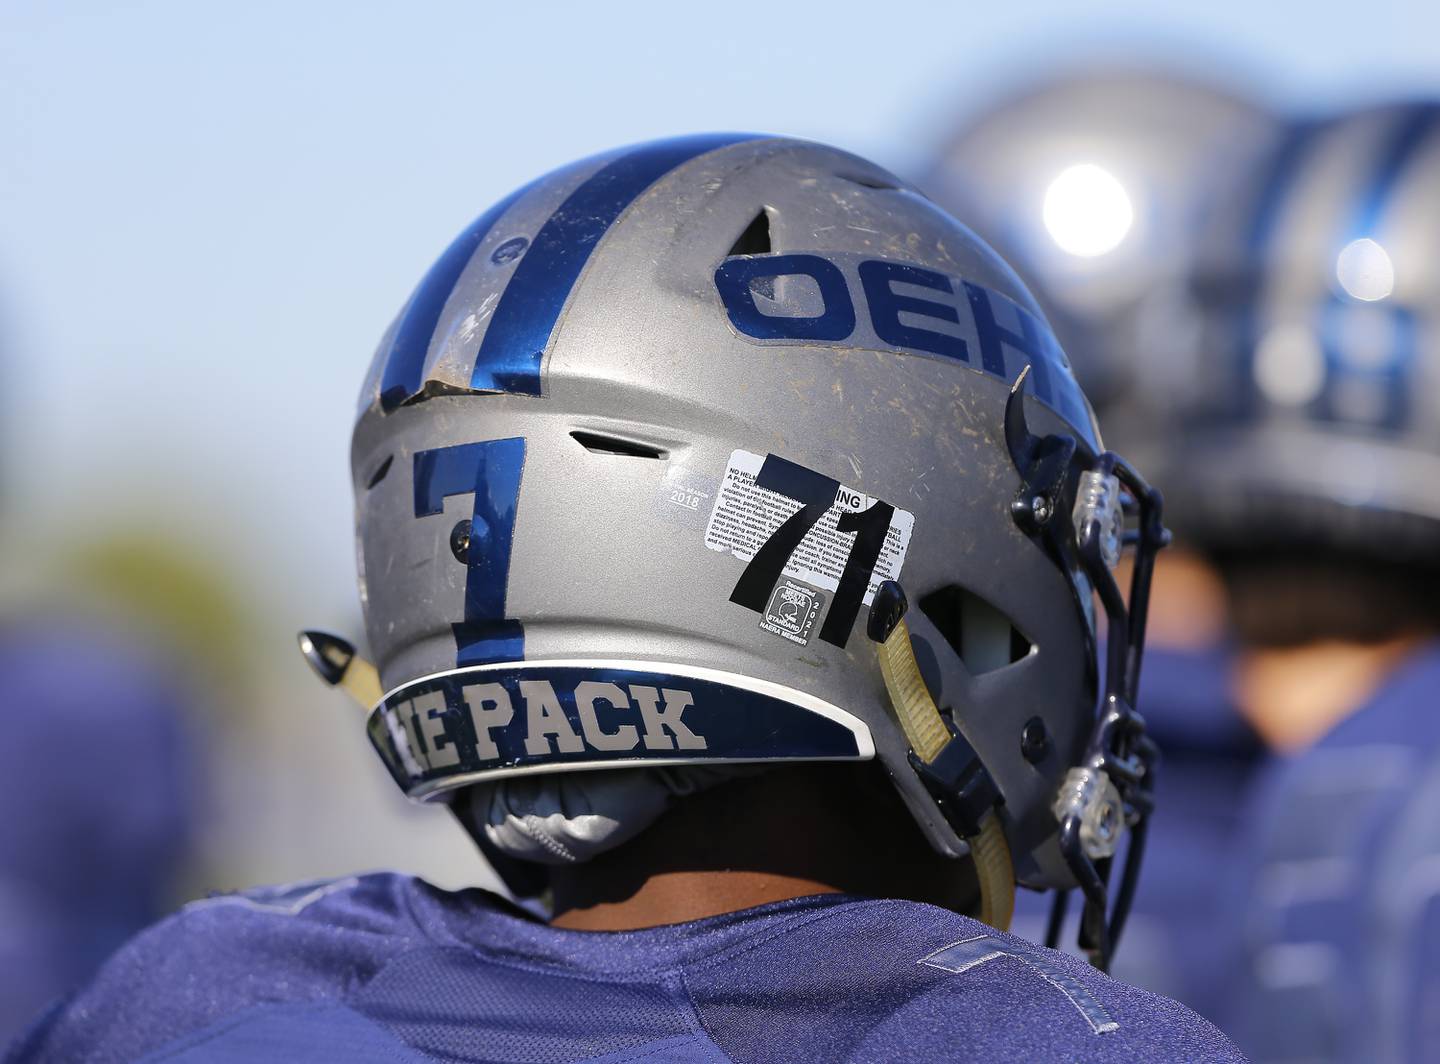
(1410, 134)
(1271, 196)
(1274, 190)
(1389, 378)
(519, 332)
(406, 361)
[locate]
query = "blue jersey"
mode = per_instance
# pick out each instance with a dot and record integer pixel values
(388, 968)
(1336, 904)
(100, 754)
(1208, 757)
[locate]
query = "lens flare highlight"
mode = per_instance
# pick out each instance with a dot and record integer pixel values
(1365, 271)
(1087, 211)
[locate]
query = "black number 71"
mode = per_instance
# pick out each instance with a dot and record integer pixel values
(815, 493)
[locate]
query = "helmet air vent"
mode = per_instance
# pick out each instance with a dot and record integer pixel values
(879, 184)
(600, 443)
(755, 240)
(379, 474)
(984, 637)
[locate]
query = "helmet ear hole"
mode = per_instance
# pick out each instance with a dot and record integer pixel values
(984, 638)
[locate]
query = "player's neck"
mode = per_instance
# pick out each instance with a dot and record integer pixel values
(772, 837)
(1293, 696)
(679, 897)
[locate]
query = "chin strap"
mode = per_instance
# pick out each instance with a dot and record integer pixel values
(335, 661)
(943, 759)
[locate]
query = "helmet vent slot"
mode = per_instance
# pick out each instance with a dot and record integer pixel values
(755, 240)
(380, 471)
(870, 182)
(984, 637)
(599, 443)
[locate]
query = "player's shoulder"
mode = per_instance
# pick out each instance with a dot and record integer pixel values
(265, 928)
(1019, 1000)
(917, 982)
(295, 943)
(376, 903)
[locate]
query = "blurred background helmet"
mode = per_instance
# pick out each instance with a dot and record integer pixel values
(1091, 183)
(1309, 413)
(634, 460)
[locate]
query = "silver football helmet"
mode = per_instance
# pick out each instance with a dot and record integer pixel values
(1094, 182)
(651, 462)
(1311, 410)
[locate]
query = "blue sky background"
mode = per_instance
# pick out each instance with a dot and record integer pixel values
(209, 214)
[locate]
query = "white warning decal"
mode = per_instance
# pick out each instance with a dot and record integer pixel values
(746, 516)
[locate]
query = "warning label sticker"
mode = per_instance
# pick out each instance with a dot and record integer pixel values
(745, 516)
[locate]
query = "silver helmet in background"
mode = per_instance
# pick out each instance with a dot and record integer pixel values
(1093, 184)
(649, 465)
(1310, 412)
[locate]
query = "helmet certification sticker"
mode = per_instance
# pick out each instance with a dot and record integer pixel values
(791, 611)
(746, 516)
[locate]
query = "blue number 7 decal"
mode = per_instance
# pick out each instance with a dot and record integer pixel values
(490, 470)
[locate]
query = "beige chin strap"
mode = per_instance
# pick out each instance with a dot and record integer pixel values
(927, 734)
(335, 661)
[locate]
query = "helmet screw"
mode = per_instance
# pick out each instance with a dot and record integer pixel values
(509, 251)
(1040, 508)
(1034, 740)
(460, 541)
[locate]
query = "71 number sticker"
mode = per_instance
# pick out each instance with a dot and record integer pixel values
(839, 538)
